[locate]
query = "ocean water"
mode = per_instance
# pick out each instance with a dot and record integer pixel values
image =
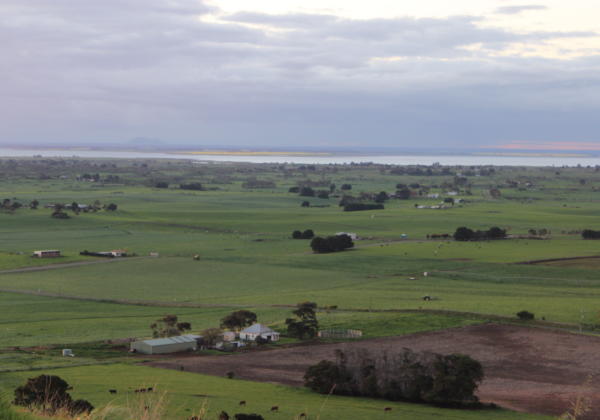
(449, 160)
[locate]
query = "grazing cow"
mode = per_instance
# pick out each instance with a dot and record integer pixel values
(387, 409)
(242, 402)
(275, 408)
(150, 389)
(194, 418)
(223, 416)
(112, 391)
(301, 415)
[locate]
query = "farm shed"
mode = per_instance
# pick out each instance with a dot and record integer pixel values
(167, 345)
(258, 330)
(352, 235)
(50, 253)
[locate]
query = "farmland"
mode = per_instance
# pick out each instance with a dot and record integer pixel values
(247, 259)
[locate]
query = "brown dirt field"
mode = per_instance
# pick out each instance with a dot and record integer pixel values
(526, 369)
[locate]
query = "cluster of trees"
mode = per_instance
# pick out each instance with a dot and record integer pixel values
(307, 234)
(416, 171)
(363, 206)
(329, 244)
(307, 191)
(258, 183)
(405, 376)
(304, 324)
(237, 320)
(194, 186)
(466, 234)
(168, 326)
(590, 234)
(48, 395)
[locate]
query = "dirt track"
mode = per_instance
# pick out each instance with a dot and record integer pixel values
(526, 369)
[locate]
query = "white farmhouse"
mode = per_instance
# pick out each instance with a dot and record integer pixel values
(258, 330)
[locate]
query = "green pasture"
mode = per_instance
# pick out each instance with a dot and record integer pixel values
(186, 394)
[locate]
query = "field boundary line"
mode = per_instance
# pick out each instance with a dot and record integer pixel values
(66, 265)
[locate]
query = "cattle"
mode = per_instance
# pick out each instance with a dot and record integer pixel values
(301, 415)
(112, 391)
(223, 416)
(242, 402)
(387, 409)
(150, 389)
(194, 418)
(275, 408)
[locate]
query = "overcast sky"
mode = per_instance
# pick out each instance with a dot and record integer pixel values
(331, 73)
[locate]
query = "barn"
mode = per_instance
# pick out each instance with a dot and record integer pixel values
(166, 345)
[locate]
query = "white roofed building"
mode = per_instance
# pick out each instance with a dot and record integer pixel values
(167, 345)
(258, 330)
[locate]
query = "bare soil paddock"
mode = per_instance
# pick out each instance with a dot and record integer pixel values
(526, 369)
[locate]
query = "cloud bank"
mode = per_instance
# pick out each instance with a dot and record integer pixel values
(184, 72)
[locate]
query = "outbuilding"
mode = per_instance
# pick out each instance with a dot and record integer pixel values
(49, 253)
(258, 330)
(175, 344)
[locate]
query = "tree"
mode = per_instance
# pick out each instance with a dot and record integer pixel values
(331, 244)
(305, 204)
(346, 187)
(34, 204)
(111, 207)
(455, 379)
(297, 234)
(168, 326)
(308, 234)
(324, 376)
(305, 325)
(463, 234)
(382, 197)
(238, 320)
(161, 184)
(307, 192)
(211, 336)
(48, 393)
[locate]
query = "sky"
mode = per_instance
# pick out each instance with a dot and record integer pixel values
(433, 74)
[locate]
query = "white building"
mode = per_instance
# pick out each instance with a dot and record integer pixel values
(167, 345)
(258, 330)
(352, 235)
(49, 253)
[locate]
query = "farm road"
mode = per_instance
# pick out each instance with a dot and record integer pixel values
(526, 369)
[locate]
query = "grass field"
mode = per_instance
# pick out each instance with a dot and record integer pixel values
(187, 393)
(248, 259)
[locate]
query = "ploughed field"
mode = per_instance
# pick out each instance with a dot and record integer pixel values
(526, 369)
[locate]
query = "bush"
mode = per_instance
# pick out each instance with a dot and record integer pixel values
(346, 187)
(525, 315)
(305, 204)
(294, 189)
(466, 234)
(297, 234)
(161, 184)
(590, 234)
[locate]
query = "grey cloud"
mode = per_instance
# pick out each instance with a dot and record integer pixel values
(514, 10)
(91, 71)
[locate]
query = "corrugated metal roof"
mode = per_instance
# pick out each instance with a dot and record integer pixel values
(257, 329)
(189, 338)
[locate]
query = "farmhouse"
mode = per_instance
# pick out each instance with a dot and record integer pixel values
(52, 253)
(258, 330)
(166, 345)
